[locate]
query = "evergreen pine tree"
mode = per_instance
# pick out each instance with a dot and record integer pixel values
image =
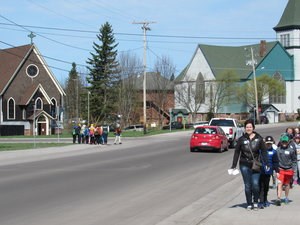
(72, 89)
(103, 76)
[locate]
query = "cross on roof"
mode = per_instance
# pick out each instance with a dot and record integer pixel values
(31, 36)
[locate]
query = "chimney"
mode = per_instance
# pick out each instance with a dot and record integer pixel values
(262, 48)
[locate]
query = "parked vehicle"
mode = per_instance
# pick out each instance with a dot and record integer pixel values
(231, 127)
(263, 120)
(202, 123)
(194, 125)
(209, 138)
(137, 127)
(174, 125)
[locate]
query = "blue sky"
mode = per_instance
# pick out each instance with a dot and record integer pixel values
(186, 23)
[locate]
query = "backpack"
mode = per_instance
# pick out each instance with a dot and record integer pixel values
(270, 159)
(98, 131)
(118, 130)
(105, 129)
(86, 131)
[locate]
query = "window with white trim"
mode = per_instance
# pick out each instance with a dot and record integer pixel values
(11, 109)
(23, 114)
(285, 40)
(38, 103)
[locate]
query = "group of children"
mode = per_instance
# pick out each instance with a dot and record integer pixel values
(94, 134)
(284, 161)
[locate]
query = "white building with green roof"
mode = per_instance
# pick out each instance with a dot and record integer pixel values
(279, 59)
(288, 34)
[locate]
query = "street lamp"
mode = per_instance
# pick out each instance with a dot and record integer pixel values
(34, 126)
(170, 120)
(88, 122)
(76, 79)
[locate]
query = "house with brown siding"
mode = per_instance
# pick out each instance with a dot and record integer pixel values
(31, 98)
(159, 98)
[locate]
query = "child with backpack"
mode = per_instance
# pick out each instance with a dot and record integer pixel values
(266, 174)
(287, 167)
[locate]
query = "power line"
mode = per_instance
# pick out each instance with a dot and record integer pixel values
(46, 57)
(33, 61)
(43, 35)
(139, 35)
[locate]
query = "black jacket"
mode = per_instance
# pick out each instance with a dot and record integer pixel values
(242, 150)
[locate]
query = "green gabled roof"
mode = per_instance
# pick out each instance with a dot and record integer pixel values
(228, 58)
(154, 81)
(181, 75)
(290, 18)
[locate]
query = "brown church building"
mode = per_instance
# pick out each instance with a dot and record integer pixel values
(31, 98)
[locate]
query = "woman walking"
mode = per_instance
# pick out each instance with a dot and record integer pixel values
(249, 147)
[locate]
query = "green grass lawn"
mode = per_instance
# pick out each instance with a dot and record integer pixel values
(28, 146)
(111, 134)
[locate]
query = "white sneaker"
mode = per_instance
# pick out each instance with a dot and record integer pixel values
(255, 206)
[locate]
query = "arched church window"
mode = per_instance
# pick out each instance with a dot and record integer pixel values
(278, 97)
(11, 108)
(200, 89)
(53, 107)
(39, 104)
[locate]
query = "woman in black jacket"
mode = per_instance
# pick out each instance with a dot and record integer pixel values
(250, 141)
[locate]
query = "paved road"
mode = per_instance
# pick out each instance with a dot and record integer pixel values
(152, 180)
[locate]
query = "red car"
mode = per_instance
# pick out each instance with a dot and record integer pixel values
(209, 138)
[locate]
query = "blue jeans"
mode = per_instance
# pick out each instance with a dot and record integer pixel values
(104, 135)
(251, 182)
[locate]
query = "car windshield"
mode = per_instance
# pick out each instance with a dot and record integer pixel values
(205, 130)
(224, 123)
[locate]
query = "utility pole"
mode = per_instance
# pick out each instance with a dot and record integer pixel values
(145, 28)
(255, 87)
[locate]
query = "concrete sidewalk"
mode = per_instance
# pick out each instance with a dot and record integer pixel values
(234, 212)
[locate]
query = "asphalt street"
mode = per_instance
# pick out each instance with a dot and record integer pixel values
(149, 180)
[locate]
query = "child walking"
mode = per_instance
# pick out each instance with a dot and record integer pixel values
(266, 174)
(118, 132)
(287, 167)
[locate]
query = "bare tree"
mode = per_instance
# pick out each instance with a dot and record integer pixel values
(223, 90)
(266, 87)
(164, 71)
(130, 68)
(191, 94)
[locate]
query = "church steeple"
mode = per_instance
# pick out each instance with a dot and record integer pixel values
(288, 33)
(288, 28)
(290, 18)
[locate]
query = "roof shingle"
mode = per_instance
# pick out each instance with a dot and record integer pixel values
(10, 59)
